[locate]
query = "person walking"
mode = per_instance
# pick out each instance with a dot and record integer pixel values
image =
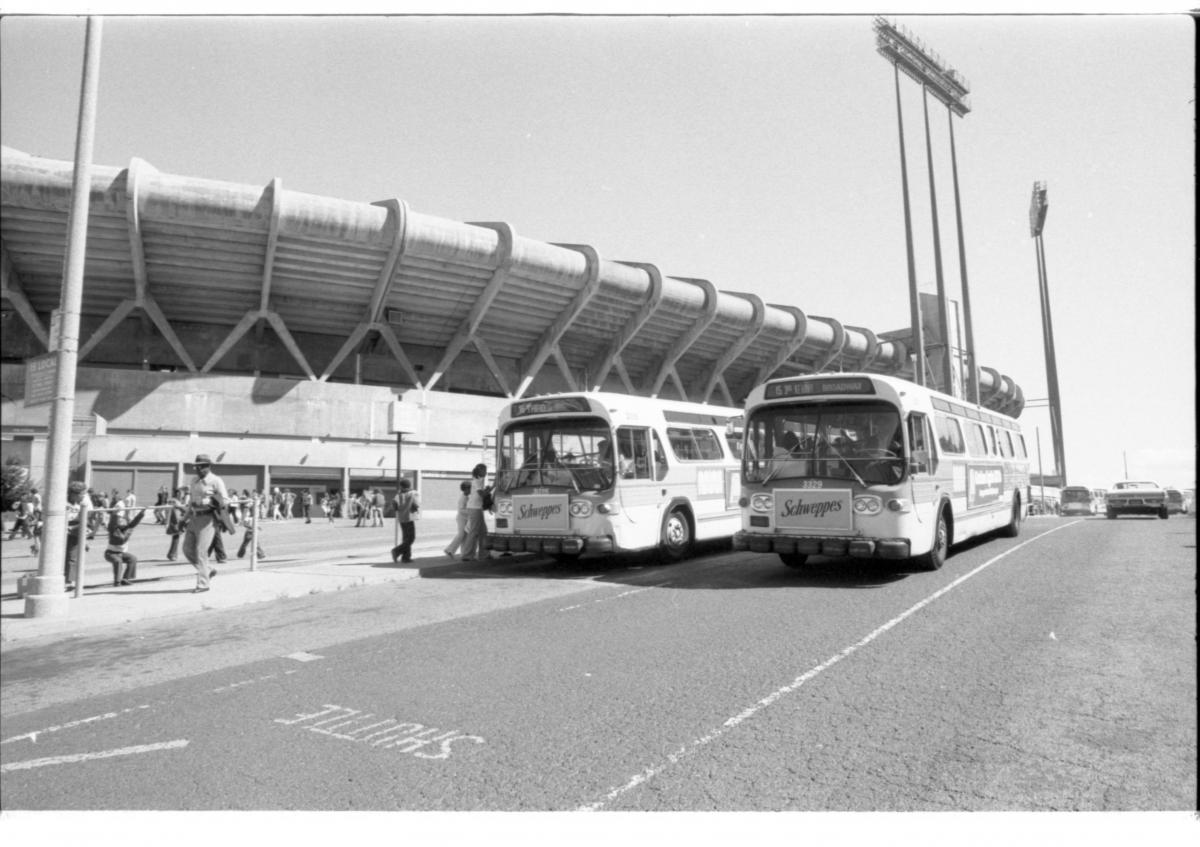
(276, 504)
(289, 502)
(408, 505)
(162, 497)
(176, 521)
(476, 544)
(306, 505)
(124, 563)
(207, 494)
(77, 500)
(461, 519)
(248, 538)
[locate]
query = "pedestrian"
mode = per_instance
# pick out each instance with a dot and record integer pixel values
(377, 505)
(331, 508)
(207, 494)
(362, 508)
(77, 500)
(124, 563)
(306, 505)
(476, 544)
(408, 506)
(176, 521)
(276, 504)
(162, 497)
(461, 519)
(249, 537)
(24, 522)
(289, 501)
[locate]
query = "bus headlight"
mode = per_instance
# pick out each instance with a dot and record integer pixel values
(867, 505)
(503, 508)
(581, 509)
(899, 505)
(763, 502)
(609, 508)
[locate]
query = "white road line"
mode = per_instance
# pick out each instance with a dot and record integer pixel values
(807, 676)
(84, 757)
(614, 596)
(303, 656)
(33, 736)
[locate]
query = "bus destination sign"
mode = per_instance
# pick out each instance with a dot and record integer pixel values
(550, 406)
(813, 387)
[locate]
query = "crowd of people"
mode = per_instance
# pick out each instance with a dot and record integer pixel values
(197, 515)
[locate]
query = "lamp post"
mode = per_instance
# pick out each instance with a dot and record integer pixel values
(47, 598)
(1037, 222)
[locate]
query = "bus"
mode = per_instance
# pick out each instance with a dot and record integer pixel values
(872, 466)
(1077, 500)
(603, 473)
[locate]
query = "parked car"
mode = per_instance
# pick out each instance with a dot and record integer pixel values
(1176, 504)
(1136, 498)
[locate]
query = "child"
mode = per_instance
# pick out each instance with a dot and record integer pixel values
(124, 563)
(461, 518)
(249, 522)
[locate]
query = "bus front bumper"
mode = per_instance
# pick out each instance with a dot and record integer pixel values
(859, 548)
(550, 545)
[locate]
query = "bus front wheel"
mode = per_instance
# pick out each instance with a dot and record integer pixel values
(794, 560)
(936, 557)
(676, 540)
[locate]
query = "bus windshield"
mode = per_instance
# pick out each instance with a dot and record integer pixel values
(858, 441)
(571, 453)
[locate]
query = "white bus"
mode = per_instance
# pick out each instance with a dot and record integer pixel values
(875, 467)
(605, 473)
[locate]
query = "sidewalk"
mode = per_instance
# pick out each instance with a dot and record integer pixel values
(300, 562)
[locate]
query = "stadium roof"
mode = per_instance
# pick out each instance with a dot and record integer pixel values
(178, 251)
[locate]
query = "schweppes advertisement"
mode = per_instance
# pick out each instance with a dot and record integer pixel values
(814, 509)
(541, 513)
(984, 485)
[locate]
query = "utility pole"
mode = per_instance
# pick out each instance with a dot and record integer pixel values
(1037, 222)
(948, 86)
(47, 598)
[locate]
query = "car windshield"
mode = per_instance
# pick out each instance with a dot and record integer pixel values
(846, 441)
(571, 453)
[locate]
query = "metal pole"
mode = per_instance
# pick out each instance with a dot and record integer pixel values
(1041, 476)
(256, 528)
(914, 305)
(1056, 432)
(81, 550)
(47, 598)
(972, 392)
(943, 317)
(396, 523)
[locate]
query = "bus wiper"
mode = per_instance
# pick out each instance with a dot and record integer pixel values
(846, 462)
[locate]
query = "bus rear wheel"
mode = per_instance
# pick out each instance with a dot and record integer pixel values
(676, 540)
(794, 560)
(936, 557)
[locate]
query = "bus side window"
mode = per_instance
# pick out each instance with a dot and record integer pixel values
(633, 448)
(920, 459)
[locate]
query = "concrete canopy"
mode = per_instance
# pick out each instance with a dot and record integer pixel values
(211, 276)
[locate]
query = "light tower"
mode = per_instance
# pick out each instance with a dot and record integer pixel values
(1037, 221)
(948, 86)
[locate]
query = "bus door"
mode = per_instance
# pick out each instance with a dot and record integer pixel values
(923, 465)
(641, 465)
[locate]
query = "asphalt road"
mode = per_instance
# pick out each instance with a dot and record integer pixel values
(1056, 671)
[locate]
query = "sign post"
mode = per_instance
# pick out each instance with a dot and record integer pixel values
(404, 418)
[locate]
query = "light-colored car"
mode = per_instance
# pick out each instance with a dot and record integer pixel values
(1176, 504)
(1136, 498)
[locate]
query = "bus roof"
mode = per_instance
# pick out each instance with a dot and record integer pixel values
(865, 384)
(610, 404)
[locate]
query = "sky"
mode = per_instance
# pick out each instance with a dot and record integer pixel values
(760, 152)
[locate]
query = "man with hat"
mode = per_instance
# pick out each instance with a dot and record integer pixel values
(208, 497)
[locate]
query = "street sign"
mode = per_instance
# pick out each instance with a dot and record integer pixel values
(41, 379)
